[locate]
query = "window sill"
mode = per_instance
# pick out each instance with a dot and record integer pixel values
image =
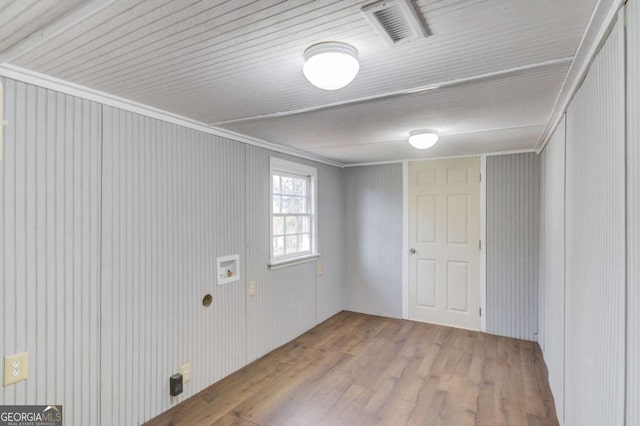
(279, 264)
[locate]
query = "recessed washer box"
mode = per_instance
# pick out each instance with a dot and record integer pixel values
(228, 269)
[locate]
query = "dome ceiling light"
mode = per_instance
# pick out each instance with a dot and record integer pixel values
(423, 139)
(331, 65)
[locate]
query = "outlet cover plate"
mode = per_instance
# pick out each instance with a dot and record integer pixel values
(185, 370)
(16, 368)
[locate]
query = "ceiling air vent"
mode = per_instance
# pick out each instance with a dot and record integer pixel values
(395, 20)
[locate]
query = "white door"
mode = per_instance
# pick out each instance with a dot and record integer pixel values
(444, 236)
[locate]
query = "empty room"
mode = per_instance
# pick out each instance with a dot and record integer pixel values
(320, 212)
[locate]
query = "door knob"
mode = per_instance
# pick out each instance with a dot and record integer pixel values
(412, 251)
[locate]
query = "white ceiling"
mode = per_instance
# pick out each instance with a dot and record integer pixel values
(487, 77)
(490, 115)
(21, 18)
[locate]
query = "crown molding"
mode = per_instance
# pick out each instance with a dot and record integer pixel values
(59, 85)
(602, 20)
(408, 160)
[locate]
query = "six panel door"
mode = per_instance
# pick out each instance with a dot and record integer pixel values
(444, 236)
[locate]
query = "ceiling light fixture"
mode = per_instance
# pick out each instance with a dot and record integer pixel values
(423, 139)
(331, 65)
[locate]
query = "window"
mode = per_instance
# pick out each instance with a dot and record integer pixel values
(293, 212)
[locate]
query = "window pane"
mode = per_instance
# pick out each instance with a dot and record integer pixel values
(278, 246)
(300, 186)
(293, 204)
(277, 204)
(287, 185)
(292, 225)
(278, 225)
(292, 244)
(304, 224)
(304, 242)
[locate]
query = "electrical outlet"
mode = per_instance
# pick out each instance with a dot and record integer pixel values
(252, 288)
(320, 269)
(185, 370)
(16, 368)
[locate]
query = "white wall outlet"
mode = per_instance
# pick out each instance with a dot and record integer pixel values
(320, 269)
(252, 288)
(185, 370)
(16, 368)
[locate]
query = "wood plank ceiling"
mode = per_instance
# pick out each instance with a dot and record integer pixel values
(487, 78)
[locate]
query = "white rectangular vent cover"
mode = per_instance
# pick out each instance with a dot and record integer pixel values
(395, 20)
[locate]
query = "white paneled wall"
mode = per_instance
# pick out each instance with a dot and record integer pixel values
(110, 225)
(374, 242)
(552, 321)
(541, 253)
(513, 205)
(330, 291)
(50, 248)
(374, 239)
(175, 199)
(595, 242)
(633, 212)
(173, 202)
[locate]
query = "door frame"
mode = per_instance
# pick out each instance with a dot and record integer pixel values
(483, 233)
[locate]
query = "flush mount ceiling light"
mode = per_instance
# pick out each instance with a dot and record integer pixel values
(331, 65)
(423, 139)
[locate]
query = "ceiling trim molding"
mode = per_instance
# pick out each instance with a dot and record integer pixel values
(59, 85)
(419, 89)
(364, 145)
(488, 154)
(602, 19)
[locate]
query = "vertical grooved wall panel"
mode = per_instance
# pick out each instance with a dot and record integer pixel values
(50, 248)
(374, 239)
(541, 337)
(633, 212)
(330, 289)
(552, 278)
(513, 219)
(174, 202)
(110, 226)
(176, 199)
(595, 242)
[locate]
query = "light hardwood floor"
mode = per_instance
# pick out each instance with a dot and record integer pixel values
(356, 369)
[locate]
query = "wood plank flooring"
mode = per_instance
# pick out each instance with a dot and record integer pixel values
(356, 369)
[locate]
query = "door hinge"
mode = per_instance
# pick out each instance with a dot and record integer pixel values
(480, 178)
(479, 244)
(479, 311)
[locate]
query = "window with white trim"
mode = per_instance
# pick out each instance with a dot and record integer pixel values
(293, 211)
